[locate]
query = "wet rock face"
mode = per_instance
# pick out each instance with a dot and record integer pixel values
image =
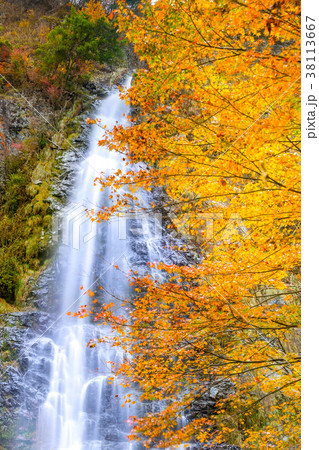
(224, 447)
(12, 125)
(14, 118)
(21, 392)
(43, 294)
(204, 406)
(25, 354)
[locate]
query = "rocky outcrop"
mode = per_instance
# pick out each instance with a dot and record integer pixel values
(14, 118)
(13, 121)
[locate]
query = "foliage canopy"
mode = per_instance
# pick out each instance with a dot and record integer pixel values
(218, 125)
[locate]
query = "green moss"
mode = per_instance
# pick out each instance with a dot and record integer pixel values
(47, 220)
(32, 247)
(6, 433)
(25, 212)
(25, 218)
(42, 139)
(9, 276)
(32, 190)
(15, 192)
(6, 307)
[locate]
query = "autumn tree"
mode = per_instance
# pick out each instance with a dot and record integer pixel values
(218, 126)
(95, 10)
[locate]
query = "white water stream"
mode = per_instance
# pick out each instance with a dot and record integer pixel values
(82, 410)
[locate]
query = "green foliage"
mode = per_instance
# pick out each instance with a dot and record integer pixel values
(15, 192)
(5, 48)
(76, 41)
(8, 279)
(42, 139)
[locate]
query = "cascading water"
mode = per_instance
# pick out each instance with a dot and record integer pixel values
(82, 410)
(79, 408)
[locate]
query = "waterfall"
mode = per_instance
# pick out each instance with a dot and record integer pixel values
(82, 410)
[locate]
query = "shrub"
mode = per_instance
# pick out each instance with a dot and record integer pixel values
(18, 66)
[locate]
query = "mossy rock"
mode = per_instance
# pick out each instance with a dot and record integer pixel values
(6, 307)
(41, 172)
